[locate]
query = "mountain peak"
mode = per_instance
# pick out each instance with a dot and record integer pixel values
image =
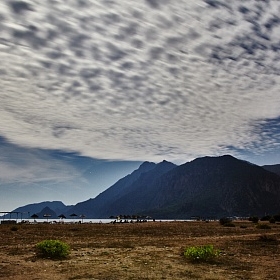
(166, 163)
(223, 158)
(226, 156)
(146, 165)
(47, 212)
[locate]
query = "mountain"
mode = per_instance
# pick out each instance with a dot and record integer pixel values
(273, 168)
(214, 186)
(35, 208)
(208, 186)
(47, 213)
(100, 207)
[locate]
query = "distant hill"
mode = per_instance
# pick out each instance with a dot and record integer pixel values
(273, 168)
(47, 213)
(208, 186)
(56, 206)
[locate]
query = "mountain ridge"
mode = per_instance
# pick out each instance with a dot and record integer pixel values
(206, 186)
(216, 186)
(113, 193)
(219, 190)
(275, 168)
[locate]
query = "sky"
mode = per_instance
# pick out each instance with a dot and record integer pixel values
(101, 86)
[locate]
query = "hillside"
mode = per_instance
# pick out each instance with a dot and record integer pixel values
(273, 168)
(215, 186)
(209, 186)
(100, 207)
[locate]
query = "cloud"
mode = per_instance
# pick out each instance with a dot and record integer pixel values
(19, 7)
(26, 165)
(149, 81)
(153, 3)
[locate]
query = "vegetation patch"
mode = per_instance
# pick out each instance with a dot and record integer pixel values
(201, 253)
(225, 220)
(254, 219)
(263, 226)
(54, 249)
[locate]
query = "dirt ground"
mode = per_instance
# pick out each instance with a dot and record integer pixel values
(152, 250)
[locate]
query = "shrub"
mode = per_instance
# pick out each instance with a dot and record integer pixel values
(254, 219)
(201, 253)
(272, 220)
(263, 226)
(53, 249)
(277, 217)
(225, 220)
(266, 218)
(14, 228)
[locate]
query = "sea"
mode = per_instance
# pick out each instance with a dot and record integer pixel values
(75, 221)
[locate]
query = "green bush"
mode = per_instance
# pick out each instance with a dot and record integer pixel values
(263, 226)
(201, 253)
(53, 249)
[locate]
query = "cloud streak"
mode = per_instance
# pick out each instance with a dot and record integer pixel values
(156, 80)
(28, 166)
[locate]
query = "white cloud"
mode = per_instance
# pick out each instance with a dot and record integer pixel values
(156, 80)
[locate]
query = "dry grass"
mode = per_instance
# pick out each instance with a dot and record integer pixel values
(141, 251)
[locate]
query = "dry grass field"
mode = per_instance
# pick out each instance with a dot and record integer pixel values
(152, 250)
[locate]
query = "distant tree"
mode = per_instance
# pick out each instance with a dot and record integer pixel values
(254, 219)
(225, 220)
(277, 218)
(266, 218)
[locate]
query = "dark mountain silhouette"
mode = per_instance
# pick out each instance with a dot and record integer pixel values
(215, 186)
(47, 213)
(100, 207)
(208, 186)
(273, 168)
(34, 208)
